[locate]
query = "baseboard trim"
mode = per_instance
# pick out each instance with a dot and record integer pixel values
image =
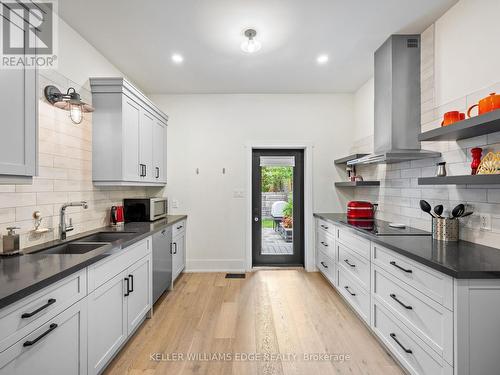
(215, 265)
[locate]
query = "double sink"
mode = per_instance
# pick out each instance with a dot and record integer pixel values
(88, 243)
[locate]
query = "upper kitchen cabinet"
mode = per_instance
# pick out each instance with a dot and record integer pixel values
(19, 125)
(129, 135)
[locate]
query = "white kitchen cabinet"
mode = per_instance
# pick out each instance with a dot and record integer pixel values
(19, 125)
(178, 254)
(57, 347)
(140, 295)
(129, 135)
(107, 328)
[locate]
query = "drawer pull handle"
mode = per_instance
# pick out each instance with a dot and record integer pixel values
(350, 264)
(393, 296)
(324, 244)
(351, 293)
(323, 264)
(180, 227)
(323, 226)
(52, 327)
(29, 315)
(128, 287)
(401, 268)
(409, 351)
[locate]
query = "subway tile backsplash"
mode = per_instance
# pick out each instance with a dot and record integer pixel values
(399, 193)
(64, 174)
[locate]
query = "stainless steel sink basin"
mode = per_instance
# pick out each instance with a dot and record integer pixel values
(105, 237)
(72, 248)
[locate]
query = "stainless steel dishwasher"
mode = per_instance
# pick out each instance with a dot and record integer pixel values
(162, 262)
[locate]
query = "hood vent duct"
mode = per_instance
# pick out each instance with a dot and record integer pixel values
(397, 102)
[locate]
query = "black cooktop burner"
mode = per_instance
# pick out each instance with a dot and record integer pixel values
(382, 228)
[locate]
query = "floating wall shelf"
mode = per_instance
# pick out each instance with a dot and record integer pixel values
(345, 159)
(481, 179)
(357, 183)
(473, 127)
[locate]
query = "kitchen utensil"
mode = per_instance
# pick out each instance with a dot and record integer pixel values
(476, 153)
(458, 211)
(452, 117)
(441, 171)
(467, 214)
(438, 210)
(426, 207)
(360, 210)
(487, 104)
(445, 229)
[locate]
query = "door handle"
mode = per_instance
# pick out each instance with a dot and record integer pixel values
(256, 219)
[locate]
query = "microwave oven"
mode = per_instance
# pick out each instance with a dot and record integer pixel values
(144, 209)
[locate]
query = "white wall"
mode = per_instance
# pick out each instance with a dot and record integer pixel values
(364, 115)
(210, 132)
(467, 50)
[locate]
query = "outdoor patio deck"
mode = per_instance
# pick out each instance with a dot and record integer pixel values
(273, 243)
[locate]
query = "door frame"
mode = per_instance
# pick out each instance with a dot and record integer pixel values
(307, 146)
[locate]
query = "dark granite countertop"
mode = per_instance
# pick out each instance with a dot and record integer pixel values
(25, 274)
(461, 260)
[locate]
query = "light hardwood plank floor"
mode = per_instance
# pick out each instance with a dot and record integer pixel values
(271, 312)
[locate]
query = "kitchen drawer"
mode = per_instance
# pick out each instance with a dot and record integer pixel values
(42, 306)
(357, 296)
(325, 243)
(429, 320)
(178, 228)
(355, 265)
(327, 267)
(433, 284)
(358, 244)
(412, 352)
(327, 227)
(107, 268)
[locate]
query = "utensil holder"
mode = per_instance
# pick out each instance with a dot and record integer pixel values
(445, 229)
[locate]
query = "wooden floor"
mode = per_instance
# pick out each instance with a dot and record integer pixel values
(287, 312)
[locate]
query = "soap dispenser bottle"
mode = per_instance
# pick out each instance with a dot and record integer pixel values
(11, 242)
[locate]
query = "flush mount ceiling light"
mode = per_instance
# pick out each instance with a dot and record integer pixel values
(250, 45)
(70, 101)
(177, 59)
(322, 59)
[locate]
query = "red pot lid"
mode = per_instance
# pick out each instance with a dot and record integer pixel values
(359, 204)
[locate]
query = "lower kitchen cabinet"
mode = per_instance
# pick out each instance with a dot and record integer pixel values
(107, 328)
(57, 347)
(178, 249)
(140, 292)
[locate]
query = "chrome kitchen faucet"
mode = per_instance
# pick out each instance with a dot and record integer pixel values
(62, 217)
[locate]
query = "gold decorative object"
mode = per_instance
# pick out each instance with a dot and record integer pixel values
(490, 164)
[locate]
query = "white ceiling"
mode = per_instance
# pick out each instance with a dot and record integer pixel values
(139, 37)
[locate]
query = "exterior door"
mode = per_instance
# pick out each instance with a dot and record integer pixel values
(278, 207)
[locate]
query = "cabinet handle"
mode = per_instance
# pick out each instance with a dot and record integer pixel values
(145, 170)
(52, 327)
(29, 315)
(179, 227)
(175, 245)
(127, 293)
(131, 283)
(351, 293)
(323, 264)
(157, 172)
(323, 226)
(409, 351)
(393, 296)
(401, 268)
(350, 264)
(324, 244)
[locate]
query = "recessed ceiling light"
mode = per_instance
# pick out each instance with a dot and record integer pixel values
(177, 59)
(250, 45)
(322, 59)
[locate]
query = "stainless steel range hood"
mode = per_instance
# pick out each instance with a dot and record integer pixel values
(397, 103)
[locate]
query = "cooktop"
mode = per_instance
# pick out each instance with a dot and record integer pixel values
(382, 228)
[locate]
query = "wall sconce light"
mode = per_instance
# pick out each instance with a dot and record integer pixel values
(70, 101)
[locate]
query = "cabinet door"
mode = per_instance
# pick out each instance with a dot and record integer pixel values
(58, 347)
(146, 146)
(18, 128)
(140, 296)
(159, 151)
(131, 128)
(178, 255)
(107, 326)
